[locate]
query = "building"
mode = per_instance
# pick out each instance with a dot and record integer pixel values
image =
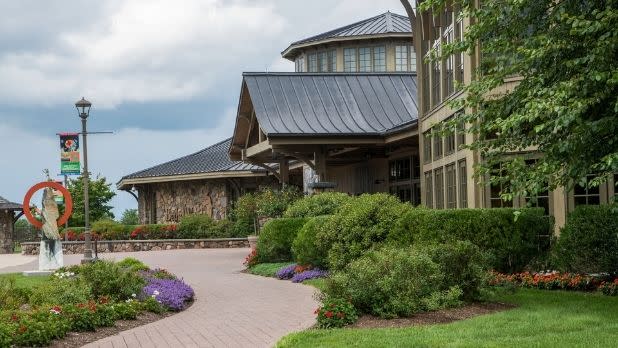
(446, 168)
(205, 182)
(9, 213)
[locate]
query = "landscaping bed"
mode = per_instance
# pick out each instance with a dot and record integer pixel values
(83, 303)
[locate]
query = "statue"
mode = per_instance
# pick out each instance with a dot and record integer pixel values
(50, 250)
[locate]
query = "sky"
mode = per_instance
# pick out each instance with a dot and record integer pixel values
(163, 75)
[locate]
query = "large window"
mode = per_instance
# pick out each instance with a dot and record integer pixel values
(437, 145)
(400, 169)
(313, 62)
(585, 195)
(426, 94)
(461, 134)
(300, 64)
(349, 60)
(379, 59)
(332, 60)
(463, 184)
(427, 146)
(495, 191)
(323, 61)
(364, 59)
(439, 188)
(405, 58)
(428, 189)
(449, 142)
(404, 179)
(435, 82)
(451, 186)
(449, 38)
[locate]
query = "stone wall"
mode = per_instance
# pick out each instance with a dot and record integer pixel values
(6, 231)
(114, 246)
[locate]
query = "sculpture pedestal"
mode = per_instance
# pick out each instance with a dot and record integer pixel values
(37, 273)
(50, 255)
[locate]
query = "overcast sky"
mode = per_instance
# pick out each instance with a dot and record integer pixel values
(164, 75)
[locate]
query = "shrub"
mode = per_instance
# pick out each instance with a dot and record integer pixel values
(335, 313)
(273, 203)
(109, 279)
(389, 283)
(360, 225)
(510, 235)
(244, 214)
(197, 226)
(125, 311)
(588, 243)
(82, 316)
(275, 241)
(326, 203)
(609, 288)
(132, 264)
(61, 291)
(305, 247)
(11, 297)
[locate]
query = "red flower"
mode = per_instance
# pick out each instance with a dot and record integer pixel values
(328, 314)
(14, 317)
(22, 329)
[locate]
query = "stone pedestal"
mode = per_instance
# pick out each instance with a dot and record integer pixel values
(50, 255)
(6, 231)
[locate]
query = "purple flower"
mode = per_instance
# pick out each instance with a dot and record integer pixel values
(286, 272)
(172, 293)
(310, 274)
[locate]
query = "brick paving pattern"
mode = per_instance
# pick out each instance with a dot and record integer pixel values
(233, 309)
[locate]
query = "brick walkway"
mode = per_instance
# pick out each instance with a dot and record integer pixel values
(233, 309)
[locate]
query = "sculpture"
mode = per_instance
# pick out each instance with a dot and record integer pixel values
(50, 250)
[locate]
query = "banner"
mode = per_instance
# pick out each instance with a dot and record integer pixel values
(69, 154)
(58, 197)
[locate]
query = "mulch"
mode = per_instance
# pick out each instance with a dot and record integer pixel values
(429, 318)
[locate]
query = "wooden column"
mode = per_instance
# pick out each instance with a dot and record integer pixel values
(320, 164)
(284, 172)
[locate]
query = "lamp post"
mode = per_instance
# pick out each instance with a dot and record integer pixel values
(83, 110)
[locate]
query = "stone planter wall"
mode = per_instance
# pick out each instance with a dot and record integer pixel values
(113, 246)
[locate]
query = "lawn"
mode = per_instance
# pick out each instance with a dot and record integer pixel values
(22, 281)
(267, 269)
(542, 319)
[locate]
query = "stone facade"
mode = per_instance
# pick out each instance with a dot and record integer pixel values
(168, 202)
(113, 246)
(6, 231)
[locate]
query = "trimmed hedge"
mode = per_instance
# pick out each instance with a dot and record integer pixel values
(510, 235)
(360, 225)
(326, 203)
(588, 243)
(275, 240)
(305, 248)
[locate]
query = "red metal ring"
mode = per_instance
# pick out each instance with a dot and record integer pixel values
(68, 201)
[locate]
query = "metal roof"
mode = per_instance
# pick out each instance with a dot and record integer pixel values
(383, 24)
(211, 159)
(6, 204)
(332, 104)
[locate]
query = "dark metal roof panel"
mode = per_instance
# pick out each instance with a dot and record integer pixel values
(6, 204)
(214, 158)
(332, 104)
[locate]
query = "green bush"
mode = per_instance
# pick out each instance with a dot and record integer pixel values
(360, 225)
(132, 264)
(61, 291)
(275, 241)
(510, 235)
(109, 279)
(588, 243)
(126, 311)
(244, 214)
(326, 203)
(196, 226)
(336, 313)
(11, 297)
(393, 282)
(273, 203)
(305, 247)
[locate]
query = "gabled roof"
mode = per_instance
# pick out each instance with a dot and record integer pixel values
(5, 204)
(385, 24)
(211, 160)
(334, 104)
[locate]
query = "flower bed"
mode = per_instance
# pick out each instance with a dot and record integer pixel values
(85, 298)
(556, 281)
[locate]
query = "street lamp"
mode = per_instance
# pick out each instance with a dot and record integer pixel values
(83, 110)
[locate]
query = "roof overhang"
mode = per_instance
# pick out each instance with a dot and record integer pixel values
(126, 184)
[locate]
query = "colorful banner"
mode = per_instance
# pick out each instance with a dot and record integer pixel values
(58, 196)
(69, 154)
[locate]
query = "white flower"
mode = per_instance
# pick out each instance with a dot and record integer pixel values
(129, 301)
(133, 295)
(156, 292)
(153, 296)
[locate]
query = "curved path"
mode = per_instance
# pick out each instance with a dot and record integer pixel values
(233, 309)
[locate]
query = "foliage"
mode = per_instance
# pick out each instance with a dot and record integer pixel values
(132, 264)
(314, 273)
(150, 304)
(125, 311)
(275, 241)
(196, 226)
(145, 232)
(244, 215)
(510, 235)
(286, 272)
(549, 281)
(588, 242)
(565, 104)
(306, 249)
(11, 297)
(100, 193)
(326, 203)
(130, 217)
(65, 291)
(360, 225)
(335, 313)
(539, 319)
(609, 288)
(109, 279)
(173, 294)
(267, 269)
(390, 283)
(251, 260)
(273, 203)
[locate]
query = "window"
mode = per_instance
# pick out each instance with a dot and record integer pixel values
(425, 96)
(585, 195)
(437, 145)
(300, 64)
(461, 134)
(449, 142)
(435, 82)
(323, 61)
(451, 186)
(401, 58)
(332, 60)
(379, 58)
(349, 60)
(313, 62)
(439, 187)
(416, 167)
(428, 190)
(400, 169)
(364, 59)
(427, 146)
(404, 179)
(495, 190)
(449, 37)
(463, 185)
(412, 59)
(460, 57)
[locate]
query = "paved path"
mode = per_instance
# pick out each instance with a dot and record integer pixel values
(233, 309)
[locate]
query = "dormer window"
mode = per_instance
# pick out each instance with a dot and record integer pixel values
(325, 61)
(405, 58)
(364, 59)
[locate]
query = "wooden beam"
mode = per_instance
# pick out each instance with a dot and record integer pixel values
(21, 213)
(284, 172)
(301, 157)
(256, 149)
(270, 169)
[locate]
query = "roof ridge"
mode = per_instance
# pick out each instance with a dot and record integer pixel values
(294, 73)
(345, 27)
(389, 22)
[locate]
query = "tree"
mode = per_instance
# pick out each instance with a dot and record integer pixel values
(99, 194)
(129, 217)
(565, 106)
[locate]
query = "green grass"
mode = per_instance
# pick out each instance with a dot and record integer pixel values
(267, 269)
(542, 319)
(22, 281)
(318, 283)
